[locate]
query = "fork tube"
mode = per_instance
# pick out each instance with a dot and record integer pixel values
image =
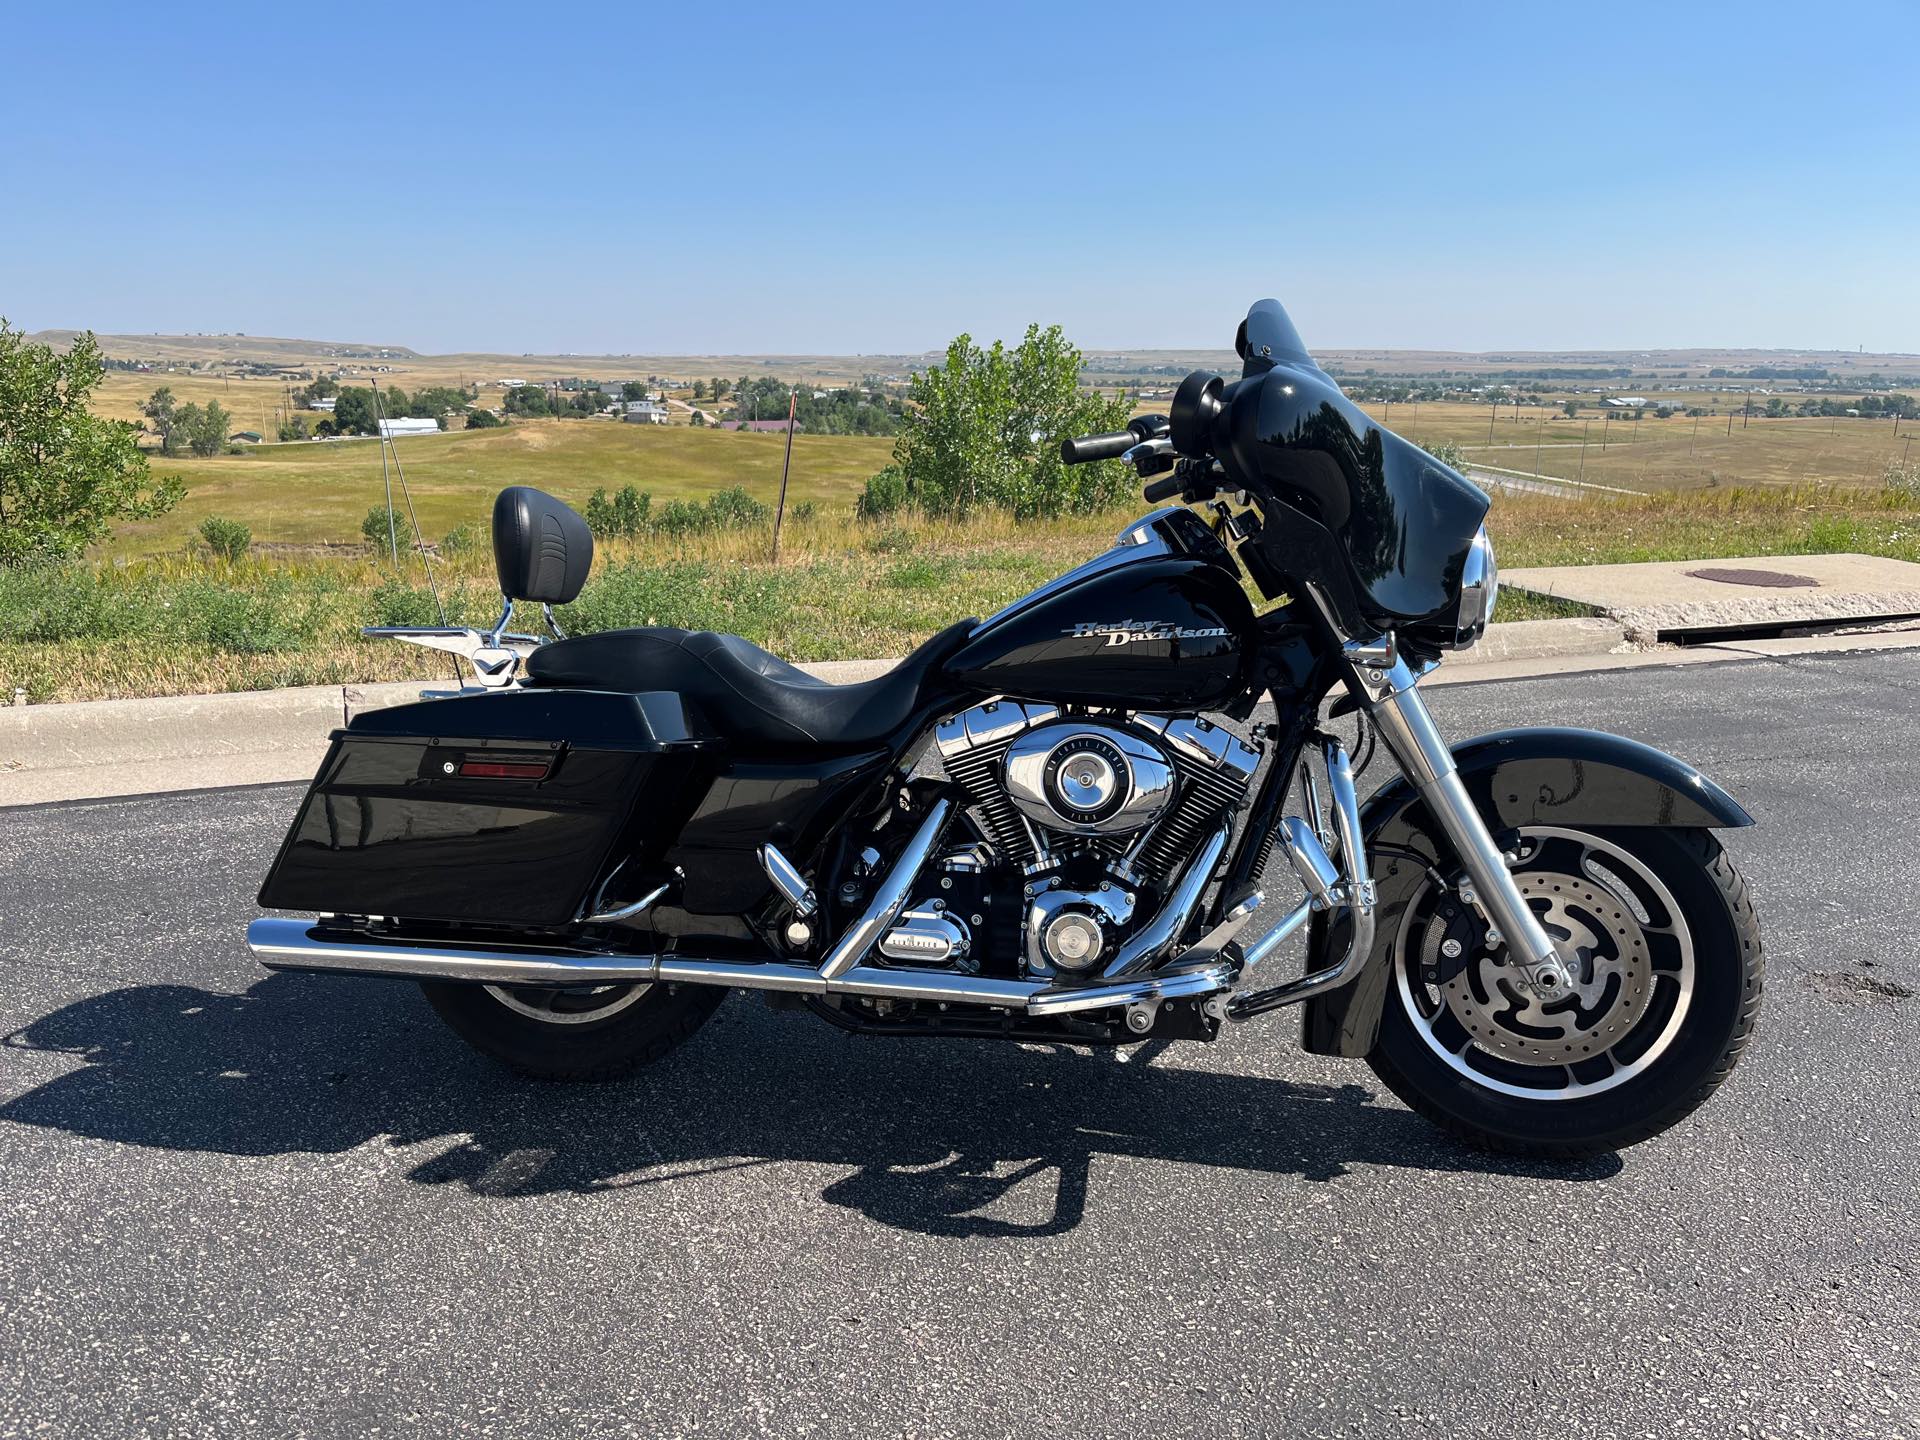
(1409, 732)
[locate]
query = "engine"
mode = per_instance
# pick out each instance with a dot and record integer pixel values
(1087, 821)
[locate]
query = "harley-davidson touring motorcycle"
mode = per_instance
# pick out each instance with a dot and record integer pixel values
(1057, 824)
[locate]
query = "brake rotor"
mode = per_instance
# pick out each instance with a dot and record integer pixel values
(1613, 977)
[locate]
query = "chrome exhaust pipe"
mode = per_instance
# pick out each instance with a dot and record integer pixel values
(302, 945)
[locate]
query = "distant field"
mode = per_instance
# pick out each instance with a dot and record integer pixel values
(1671, 454)
(316, 492)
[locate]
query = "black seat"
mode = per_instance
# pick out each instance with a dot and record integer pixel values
(745, 691)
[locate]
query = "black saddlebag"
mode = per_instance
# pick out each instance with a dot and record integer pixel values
(499, 809)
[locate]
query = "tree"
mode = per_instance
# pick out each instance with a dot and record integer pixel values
(205, 431)
(986, 427)
(483, 420)
(1572, 407)
(160, 410)
(632, 390)
(718, 387)
(353, 412)
(527, 400)
(699, 389)
(65, 474)
(294, 429)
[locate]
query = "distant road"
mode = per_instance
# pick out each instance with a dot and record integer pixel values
(1516, 482)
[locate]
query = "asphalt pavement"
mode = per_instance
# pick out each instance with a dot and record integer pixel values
(241, 1204)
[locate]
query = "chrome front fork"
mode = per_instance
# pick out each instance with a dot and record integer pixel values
(1386, 687)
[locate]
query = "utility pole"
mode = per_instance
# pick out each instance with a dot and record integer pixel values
(1492, 415)
(1606, 429)
(1693, 437)
(1539, 433)
(1583, 450)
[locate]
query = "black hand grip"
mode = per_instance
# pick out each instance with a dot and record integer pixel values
(1085, 448)
(1165, 489)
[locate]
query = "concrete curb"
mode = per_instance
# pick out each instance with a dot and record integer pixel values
(95, 749)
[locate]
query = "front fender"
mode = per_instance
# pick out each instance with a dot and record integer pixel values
(1536, 776)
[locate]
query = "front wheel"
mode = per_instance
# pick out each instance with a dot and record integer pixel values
(588, 1032)
(1666, 952)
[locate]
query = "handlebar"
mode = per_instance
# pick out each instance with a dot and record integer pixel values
(1084, 449)
(1165, 489)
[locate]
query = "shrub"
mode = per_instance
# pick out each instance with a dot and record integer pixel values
(886, 493)
(682, 517)
(461, 540)
(734, 506)
(374, 530)
(226, 538)
(1903, 478)
(624, 516)
(395, 603)
(1446, 454)
(484, 420)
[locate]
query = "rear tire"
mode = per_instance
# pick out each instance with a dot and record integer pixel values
(606, 1033)
(1685, 1050)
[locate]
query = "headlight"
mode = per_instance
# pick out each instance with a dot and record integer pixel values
(1479, 589)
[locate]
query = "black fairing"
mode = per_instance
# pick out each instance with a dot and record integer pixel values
(1163, 633)
(1374, 524)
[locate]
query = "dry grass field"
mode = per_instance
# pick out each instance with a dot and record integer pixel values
(317, 492)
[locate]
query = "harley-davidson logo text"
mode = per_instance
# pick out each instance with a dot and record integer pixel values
(1125, 632)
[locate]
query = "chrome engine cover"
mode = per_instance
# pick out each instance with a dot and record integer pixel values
(1088, 779)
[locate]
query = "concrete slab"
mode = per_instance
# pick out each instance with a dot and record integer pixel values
(1663, 597)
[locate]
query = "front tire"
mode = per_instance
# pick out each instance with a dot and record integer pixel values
(1670, 982)
(602, 1032)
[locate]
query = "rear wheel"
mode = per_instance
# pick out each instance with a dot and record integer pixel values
(1667, 960)
(592, 1032)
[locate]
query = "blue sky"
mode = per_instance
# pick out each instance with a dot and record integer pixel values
(877, 178)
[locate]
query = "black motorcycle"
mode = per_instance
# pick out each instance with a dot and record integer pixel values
(1533, 937)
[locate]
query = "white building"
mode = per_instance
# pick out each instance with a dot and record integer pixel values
(645, 412)
(326, 404)
(408, 425)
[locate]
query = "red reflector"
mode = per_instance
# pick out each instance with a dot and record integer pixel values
(501, 770)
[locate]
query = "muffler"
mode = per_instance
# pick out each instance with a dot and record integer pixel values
(303, 945)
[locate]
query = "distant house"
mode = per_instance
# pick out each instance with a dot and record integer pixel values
(1625, 402)
(645, 412)
(408, 425)
(775, 427)
(326, 404)
(252, 437)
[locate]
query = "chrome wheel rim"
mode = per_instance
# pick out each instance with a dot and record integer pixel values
(1634, 981)
(568, 1005)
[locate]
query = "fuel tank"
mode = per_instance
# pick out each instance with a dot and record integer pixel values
(1161, 632)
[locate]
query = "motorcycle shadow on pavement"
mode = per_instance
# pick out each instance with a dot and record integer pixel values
(933, 1132)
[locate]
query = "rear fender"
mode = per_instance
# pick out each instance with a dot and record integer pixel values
(1536, 776)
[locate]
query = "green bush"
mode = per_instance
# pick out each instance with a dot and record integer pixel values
(374, 530)
(735, 507)
(1446, 454)
(461, 540)
(623, 516)
(681, 517)
(228, 539)
(484, 420)
(396, 603)
(886, 493)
